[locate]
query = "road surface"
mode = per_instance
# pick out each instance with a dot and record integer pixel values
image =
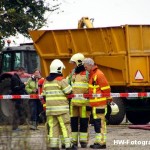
(119, 137)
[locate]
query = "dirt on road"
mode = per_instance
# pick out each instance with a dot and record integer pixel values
(119, 137)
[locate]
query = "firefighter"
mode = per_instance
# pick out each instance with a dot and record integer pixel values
(98, 84)
(55, 88)
(78, 79)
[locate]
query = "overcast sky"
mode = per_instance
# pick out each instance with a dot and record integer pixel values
(104, 12)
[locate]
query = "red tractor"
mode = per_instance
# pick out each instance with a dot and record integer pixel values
(10, 59)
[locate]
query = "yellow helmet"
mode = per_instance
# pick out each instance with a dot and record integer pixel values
(77, 58)
(56, 66)
(114, 108)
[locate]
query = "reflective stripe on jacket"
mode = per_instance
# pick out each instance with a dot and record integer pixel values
(80, 85)
(98, 84)
(56, 100)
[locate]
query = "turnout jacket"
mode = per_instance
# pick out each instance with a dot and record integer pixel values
(98, 84)
(79, 82)
(55, 93)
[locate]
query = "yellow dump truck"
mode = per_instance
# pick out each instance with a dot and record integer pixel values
(121, 52)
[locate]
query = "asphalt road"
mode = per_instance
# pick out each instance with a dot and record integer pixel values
(119, 137)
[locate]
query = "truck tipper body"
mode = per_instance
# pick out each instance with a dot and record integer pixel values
(121, 52)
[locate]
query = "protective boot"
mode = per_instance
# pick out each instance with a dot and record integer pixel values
(49, 148)
(74, 128)
(83, 137)
(83, 144)
(62, 142)
(98, 146)
(74, 147)
(63, 146)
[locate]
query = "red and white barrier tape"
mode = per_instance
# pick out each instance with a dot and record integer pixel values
(34, 96)
(142, 94)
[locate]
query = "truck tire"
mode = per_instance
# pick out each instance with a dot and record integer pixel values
(118, 118)
(138, 117)
(5, 105)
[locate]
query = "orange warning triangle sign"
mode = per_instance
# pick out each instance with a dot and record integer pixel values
(138, 75)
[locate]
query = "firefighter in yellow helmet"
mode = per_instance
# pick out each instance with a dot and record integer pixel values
(55, 88)
(78, 79)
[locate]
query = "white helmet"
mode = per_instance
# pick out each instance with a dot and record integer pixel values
(114, 108)
(77, 58)
(56, 66)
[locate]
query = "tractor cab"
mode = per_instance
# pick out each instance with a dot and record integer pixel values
(13, 57)
(10, 59)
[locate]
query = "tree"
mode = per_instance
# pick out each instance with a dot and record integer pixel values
(20, 16)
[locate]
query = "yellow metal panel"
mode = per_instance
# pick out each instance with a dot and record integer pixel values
(146, 38)
(139, 69)
(118, 51)
(138, 38)
(115, 72)
(135, 41)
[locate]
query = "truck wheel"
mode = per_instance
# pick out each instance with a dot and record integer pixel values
(118, 118)
(138, 117)
(5, 105)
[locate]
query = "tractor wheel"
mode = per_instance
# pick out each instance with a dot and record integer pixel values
(5, 104)
(118, 118)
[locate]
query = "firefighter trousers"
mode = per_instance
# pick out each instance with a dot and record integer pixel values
(57, 125)
(99, 122)
(79, 118)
